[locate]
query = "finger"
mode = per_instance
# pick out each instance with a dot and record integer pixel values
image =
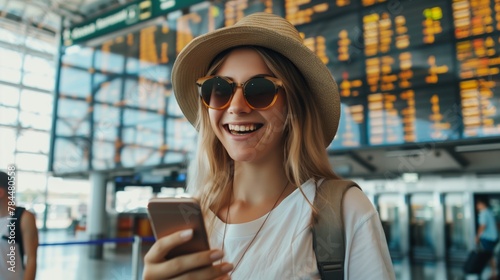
(187, 263)
(224, 277)
(218, 272)
(162, 246)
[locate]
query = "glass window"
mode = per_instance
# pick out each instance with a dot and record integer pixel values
(38, 81)
(9, 36)
(38, 102)
(74, 82)
(388, 207)
(173, 108)
(145, 94)
(132, 199)
(421, 222)
(30, 181)
(142, 128)
(103, 155)
(70, 155)
(181, 135)
(106, 121)
(69, 108)
(133, 155)
(456, 225)
(9, 74)
(10, 59)
(78, 56)
(9, 96)
(72, 118)
(107, 88)
(107, 61)
(34, 120)
(42, 45)
(38, 65)
(31, 162)
(33, 141)
(8, 146)
(8, 116)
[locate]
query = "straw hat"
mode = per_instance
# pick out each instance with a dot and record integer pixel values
(265, 30)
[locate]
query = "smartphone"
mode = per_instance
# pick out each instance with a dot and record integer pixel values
(169, 215)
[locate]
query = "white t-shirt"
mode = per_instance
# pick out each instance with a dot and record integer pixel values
(5, 251)
(283, 249)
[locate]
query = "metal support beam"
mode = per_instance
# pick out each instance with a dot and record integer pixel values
(359, 160)
(457, 157)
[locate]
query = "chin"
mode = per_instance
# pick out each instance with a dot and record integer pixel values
(247, 156)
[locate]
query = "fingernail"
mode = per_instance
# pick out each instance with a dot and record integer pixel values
(216, 255)
(226, 267)
(186, 234)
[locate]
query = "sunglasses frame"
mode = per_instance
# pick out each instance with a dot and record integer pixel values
(276, 82)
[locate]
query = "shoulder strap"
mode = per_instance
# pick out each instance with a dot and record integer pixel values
(328, 231)
(18, 213)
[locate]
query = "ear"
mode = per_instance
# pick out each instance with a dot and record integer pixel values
(3, 191)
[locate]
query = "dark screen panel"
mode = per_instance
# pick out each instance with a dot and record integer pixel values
(413, 115)
(302, 12)
(236, 9)
(368, 3)
(196, 23)
(352, 126)
(480, 103)
(478, 52)
(475, 17)
(409, 69)
(413, 24)
(337, 42)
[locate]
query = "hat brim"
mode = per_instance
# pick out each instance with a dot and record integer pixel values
(193, 62)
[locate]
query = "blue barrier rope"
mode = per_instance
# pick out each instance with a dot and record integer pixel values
(99, 241)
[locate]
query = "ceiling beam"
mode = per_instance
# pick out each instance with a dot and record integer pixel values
(361, 161)
(73, 16)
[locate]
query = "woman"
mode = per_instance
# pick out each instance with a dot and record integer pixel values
(268, 109)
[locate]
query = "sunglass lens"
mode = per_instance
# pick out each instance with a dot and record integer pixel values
(216, 92)
(260, 92)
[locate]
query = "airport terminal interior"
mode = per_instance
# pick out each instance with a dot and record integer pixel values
(90, 124)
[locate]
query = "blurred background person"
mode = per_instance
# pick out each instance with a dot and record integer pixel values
(22, 268)
(487, 232)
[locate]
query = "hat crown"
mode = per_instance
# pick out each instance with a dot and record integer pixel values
(271, 22)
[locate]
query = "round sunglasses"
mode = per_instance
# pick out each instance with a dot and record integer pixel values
(260, 92)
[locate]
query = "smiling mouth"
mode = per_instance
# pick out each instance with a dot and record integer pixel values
(236, 129)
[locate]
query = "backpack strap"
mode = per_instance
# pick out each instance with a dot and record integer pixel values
(18, 213)
(328, 231)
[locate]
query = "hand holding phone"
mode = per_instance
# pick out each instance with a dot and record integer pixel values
(170, 215)
(181, 248)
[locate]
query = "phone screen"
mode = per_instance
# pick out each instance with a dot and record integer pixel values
(169, 215)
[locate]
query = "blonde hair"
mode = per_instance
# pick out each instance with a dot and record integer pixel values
(305, 155)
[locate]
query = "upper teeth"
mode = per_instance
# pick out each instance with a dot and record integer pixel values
(248, 127)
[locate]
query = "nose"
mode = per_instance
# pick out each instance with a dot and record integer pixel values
(238, 104)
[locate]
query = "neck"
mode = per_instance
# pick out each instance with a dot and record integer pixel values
(258, 183)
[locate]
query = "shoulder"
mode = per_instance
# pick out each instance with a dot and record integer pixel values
(28, 220)
(357, 208)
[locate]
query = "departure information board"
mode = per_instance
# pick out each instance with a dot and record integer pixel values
(407, 71)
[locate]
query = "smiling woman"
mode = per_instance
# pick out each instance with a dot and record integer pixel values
(265, 107)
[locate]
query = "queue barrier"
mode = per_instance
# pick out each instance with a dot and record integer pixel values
(136, 248)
